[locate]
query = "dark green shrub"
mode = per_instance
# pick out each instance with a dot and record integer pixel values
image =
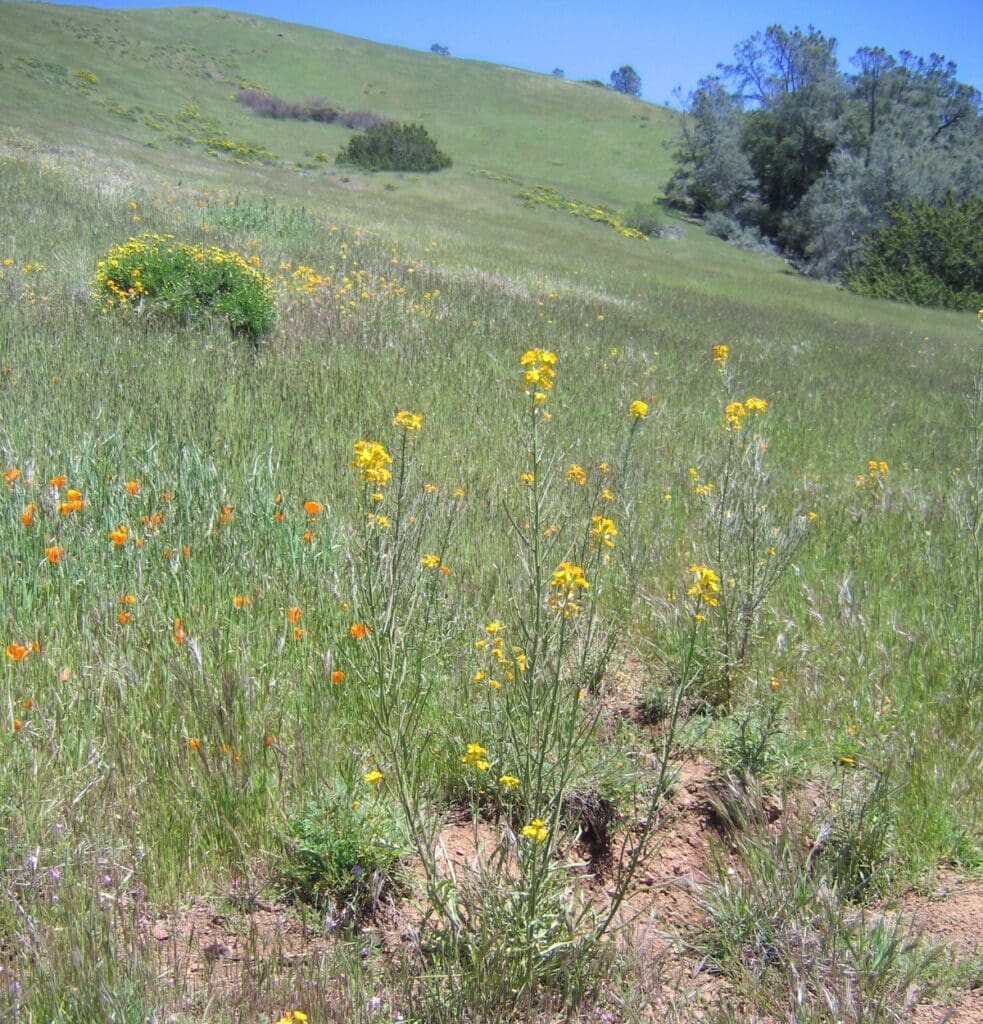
(188, 283)
(928, 255)
(341, 857)
(394, 147)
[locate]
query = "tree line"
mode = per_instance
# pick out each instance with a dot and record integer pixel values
(784, 147)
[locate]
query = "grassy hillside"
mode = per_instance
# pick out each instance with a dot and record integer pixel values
(150, 64)
(283, 732)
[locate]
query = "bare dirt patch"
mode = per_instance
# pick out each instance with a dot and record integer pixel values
(206, 947)
(951, 914)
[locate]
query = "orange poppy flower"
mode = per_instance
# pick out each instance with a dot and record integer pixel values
(17, 652)
(132, 488)
(10, 475)
(119, 535)
(359, 631)
(278, 516)
(178, 631)
(194, 743)
(72, 505)
(53, 554)
(18, 725)
(337, 676)
(27, 516)
(308, 537)
(240, 601)
(123, 618)
(293, 615)
(313, 508)
(58, 482)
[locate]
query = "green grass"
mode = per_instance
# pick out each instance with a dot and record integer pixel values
(422, 293)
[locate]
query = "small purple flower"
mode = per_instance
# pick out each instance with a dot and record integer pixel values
(357, 871)
(32, 862)
(55, 874)
(375, 1002)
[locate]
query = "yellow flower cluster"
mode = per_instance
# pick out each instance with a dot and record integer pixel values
(735, 412)
(411, 422)
(720, 353)
(567, 582)
(876, 473)
(603, 531)
(372, 462)
(538, 372)
(536, 830)
(547, 195)
(639, 410)
(705, 585)
(504, 663)
(476, 755)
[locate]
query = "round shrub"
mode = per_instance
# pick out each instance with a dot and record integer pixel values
(188, 283)
(394, 147)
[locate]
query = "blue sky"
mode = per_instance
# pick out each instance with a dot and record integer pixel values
(668, 44)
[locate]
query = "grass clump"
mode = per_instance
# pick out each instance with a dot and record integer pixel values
(780, 933)
(342, 858)
(186, 283)
(394, 147)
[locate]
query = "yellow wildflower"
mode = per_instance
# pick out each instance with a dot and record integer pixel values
(603, 531)
(476, 756)
(538, 372)
(734, 414)
(371, 460)
(705, 585)
(566, 582)
(536, 830)
(411, 422)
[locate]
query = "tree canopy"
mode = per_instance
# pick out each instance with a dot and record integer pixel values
(627, 80)
(812, 158)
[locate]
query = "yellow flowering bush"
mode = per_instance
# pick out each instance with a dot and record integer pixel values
(187, 283)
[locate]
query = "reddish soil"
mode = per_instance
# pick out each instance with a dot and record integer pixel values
(214, 954)
(951, 914)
